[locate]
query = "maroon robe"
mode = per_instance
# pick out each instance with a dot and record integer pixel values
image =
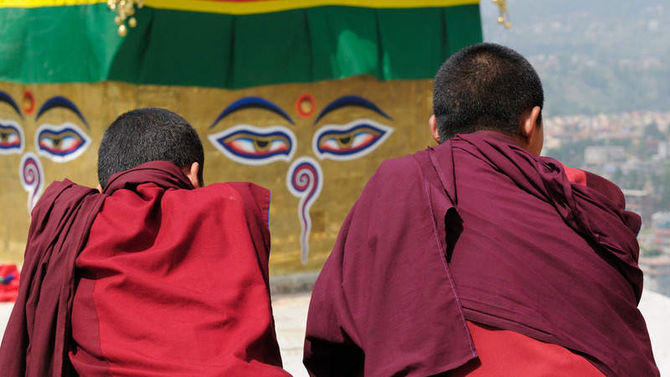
(172, 281)
(477, 229)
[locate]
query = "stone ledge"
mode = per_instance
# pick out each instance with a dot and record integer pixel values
(291, 284)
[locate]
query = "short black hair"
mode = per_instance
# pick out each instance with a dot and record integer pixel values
(144, 135)
(484, 86)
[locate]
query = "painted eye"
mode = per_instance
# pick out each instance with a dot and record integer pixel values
(255, 145)
(350, 141)
(61, 143)
(11, 137)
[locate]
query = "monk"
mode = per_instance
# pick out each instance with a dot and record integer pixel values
(478, 257)
(154, 274)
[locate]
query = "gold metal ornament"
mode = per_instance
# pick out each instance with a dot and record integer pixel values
(503, 17)
(125, 10)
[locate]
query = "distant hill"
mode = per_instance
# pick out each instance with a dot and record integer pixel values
(594, 56)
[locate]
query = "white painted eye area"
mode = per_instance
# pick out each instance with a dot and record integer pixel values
(61, 143)
(11, 137)
(255, 145)
(241, 145)
(350, 141)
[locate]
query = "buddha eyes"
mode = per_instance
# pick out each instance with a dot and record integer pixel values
(61, 143)
(349, 141)
(255, 145)
(11, 137)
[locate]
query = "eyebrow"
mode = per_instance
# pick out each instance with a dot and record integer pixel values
(350, 101)
(60, 101)
(251, 103)
(6, 98)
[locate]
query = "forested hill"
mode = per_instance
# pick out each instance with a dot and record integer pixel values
(594, 56)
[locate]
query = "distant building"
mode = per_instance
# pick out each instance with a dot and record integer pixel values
(600, 155)
(660, 224)
(656, 274)
(663, 150)
(640, 202)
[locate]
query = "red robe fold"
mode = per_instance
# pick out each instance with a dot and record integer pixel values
(172, 281)
(9, 282)
(476, 229)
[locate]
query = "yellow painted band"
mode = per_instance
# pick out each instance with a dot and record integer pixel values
(44, 3)
(280, 5)
(253, 7)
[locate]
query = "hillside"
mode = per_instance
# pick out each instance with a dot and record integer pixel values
(593, 56)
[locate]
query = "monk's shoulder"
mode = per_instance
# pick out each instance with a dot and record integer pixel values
(605, 187)
(212, 192)
(400, 169)
(246, 193)
(56, 188)
(64, 193)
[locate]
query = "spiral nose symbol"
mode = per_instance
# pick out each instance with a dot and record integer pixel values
(32, 178)
(304, 180)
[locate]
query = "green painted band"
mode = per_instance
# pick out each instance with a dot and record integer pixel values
(80, 44)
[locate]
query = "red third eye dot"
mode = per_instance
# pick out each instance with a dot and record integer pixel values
(28, 102)
(304, 105)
